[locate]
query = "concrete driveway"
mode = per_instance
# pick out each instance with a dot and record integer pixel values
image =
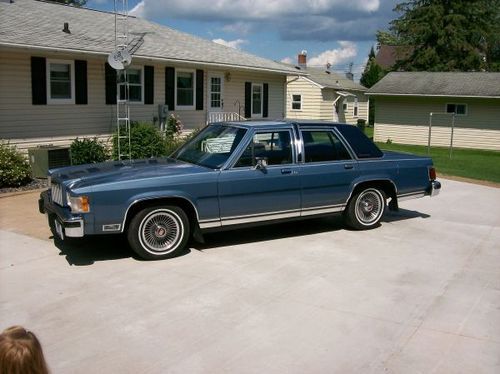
(420, 294)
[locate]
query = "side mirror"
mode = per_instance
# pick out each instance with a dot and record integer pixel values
(261, 163)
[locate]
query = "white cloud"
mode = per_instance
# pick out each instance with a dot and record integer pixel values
(138, 10)
(256, 9)
(346, 53)
(323, 20)
(287, 60)
(230, 43)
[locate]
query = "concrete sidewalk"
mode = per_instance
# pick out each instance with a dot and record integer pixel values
(419, 294)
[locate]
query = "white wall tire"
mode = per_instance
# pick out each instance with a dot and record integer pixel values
(159, 232)
(365, 209)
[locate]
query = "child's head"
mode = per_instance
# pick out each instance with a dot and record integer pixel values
(21, 352)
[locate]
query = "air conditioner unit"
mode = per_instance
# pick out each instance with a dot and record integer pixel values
(47, 157)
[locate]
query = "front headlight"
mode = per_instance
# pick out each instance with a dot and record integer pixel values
(78, 204)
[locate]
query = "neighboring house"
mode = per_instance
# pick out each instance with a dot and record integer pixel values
(55, 83)
(404, 101)
(325, 95)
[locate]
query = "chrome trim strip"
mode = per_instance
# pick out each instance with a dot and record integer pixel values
(209, 224)
(257, 218)
(323, 210)
(412, 195)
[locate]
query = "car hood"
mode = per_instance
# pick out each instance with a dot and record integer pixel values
(121, 171)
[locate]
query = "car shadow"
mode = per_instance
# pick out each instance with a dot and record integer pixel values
(402, 214)
(86, 251)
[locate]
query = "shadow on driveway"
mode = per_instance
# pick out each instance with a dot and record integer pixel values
(88, 250)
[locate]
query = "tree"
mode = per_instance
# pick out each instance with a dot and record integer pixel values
(77, 3)
(373, 72)
(447, 35)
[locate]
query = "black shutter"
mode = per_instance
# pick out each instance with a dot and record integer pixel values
(170, 88)
(149, 84)
(110, 76)
(199, 89)
(38, 81)
(248, 99)
(81, 82)
(265, 103)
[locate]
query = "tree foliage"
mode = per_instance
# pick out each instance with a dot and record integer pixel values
(78, 3)
(373, 72)
(447, 35)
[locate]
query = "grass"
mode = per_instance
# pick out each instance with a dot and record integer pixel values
(467, 163)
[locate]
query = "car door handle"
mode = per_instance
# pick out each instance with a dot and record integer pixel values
(286, 171)
(348, 166)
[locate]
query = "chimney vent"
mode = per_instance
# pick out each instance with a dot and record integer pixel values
(66, 28)
(302, 59)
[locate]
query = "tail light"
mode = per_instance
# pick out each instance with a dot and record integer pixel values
(432, 174)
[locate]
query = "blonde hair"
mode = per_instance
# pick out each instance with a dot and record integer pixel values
(21, 352)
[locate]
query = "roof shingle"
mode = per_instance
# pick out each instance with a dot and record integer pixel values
(38, 24)
(461, 84)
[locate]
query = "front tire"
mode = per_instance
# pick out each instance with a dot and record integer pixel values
(159, 232)
(365, 209)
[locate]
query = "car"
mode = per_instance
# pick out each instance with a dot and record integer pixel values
(235, 174)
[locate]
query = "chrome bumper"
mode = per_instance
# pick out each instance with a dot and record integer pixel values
(69, 225)
(435, 188)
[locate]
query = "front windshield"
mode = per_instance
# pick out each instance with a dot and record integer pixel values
(212, 147)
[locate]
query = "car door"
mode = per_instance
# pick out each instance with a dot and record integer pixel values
(327, 172)
(249, 193)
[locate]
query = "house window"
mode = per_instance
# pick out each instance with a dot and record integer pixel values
(135, 85)
(185, 84)
(296, 102)
(61, 82)
(355, 108)
(256, 100)
(458, 109)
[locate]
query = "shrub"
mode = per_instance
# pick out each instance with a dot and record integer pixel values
(145, 141)
(361, 124)
(173, 128)
(14, 168)
(88, 151)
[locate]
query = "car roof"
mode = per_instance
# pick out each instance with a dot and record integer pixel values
(284, 122)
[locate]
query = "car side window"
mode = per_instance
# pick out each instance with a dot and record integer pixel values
(275, 146)
(323, 146)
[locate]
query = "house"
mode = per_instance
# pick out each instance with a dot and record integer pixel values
(405, 101)
(55, 83)
(324, 95)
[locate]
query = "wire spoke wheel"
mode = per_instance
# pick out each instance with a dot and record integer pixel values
(369, 207)
(365, 209)
(158, 232)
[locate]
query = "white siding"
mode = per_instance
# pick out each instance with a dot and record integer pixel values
(317, 103)
(440, 136)
(27, 125)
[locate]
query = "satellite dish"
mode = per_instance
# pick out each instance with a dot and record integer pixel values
(119, 59)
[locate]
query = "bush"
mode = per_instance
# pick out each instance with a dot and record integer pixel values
(88, 151)
(173, 128)
(14, 168)
(361, 124)
(145, 141)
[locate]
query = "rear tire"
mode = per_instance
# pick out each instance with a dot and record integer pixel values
(365, 209)
(159, 232)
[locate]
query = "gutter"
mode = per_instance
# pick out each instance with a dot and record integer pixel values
(149, 58)
(431, 95)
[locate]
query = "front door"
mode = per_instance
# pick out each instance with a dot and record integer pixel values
(215, 92)
(251, 194)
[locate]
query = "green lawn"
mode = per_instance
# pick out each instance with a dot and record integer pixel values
(468, 163)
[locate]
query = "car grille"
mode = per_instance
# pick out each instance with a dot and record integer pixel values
(57, 194)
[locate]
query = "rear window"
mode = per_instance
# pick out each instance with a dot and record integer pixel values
(360, 143)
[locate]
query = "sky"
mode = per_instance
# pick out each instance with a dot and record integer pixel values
(337, 32)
